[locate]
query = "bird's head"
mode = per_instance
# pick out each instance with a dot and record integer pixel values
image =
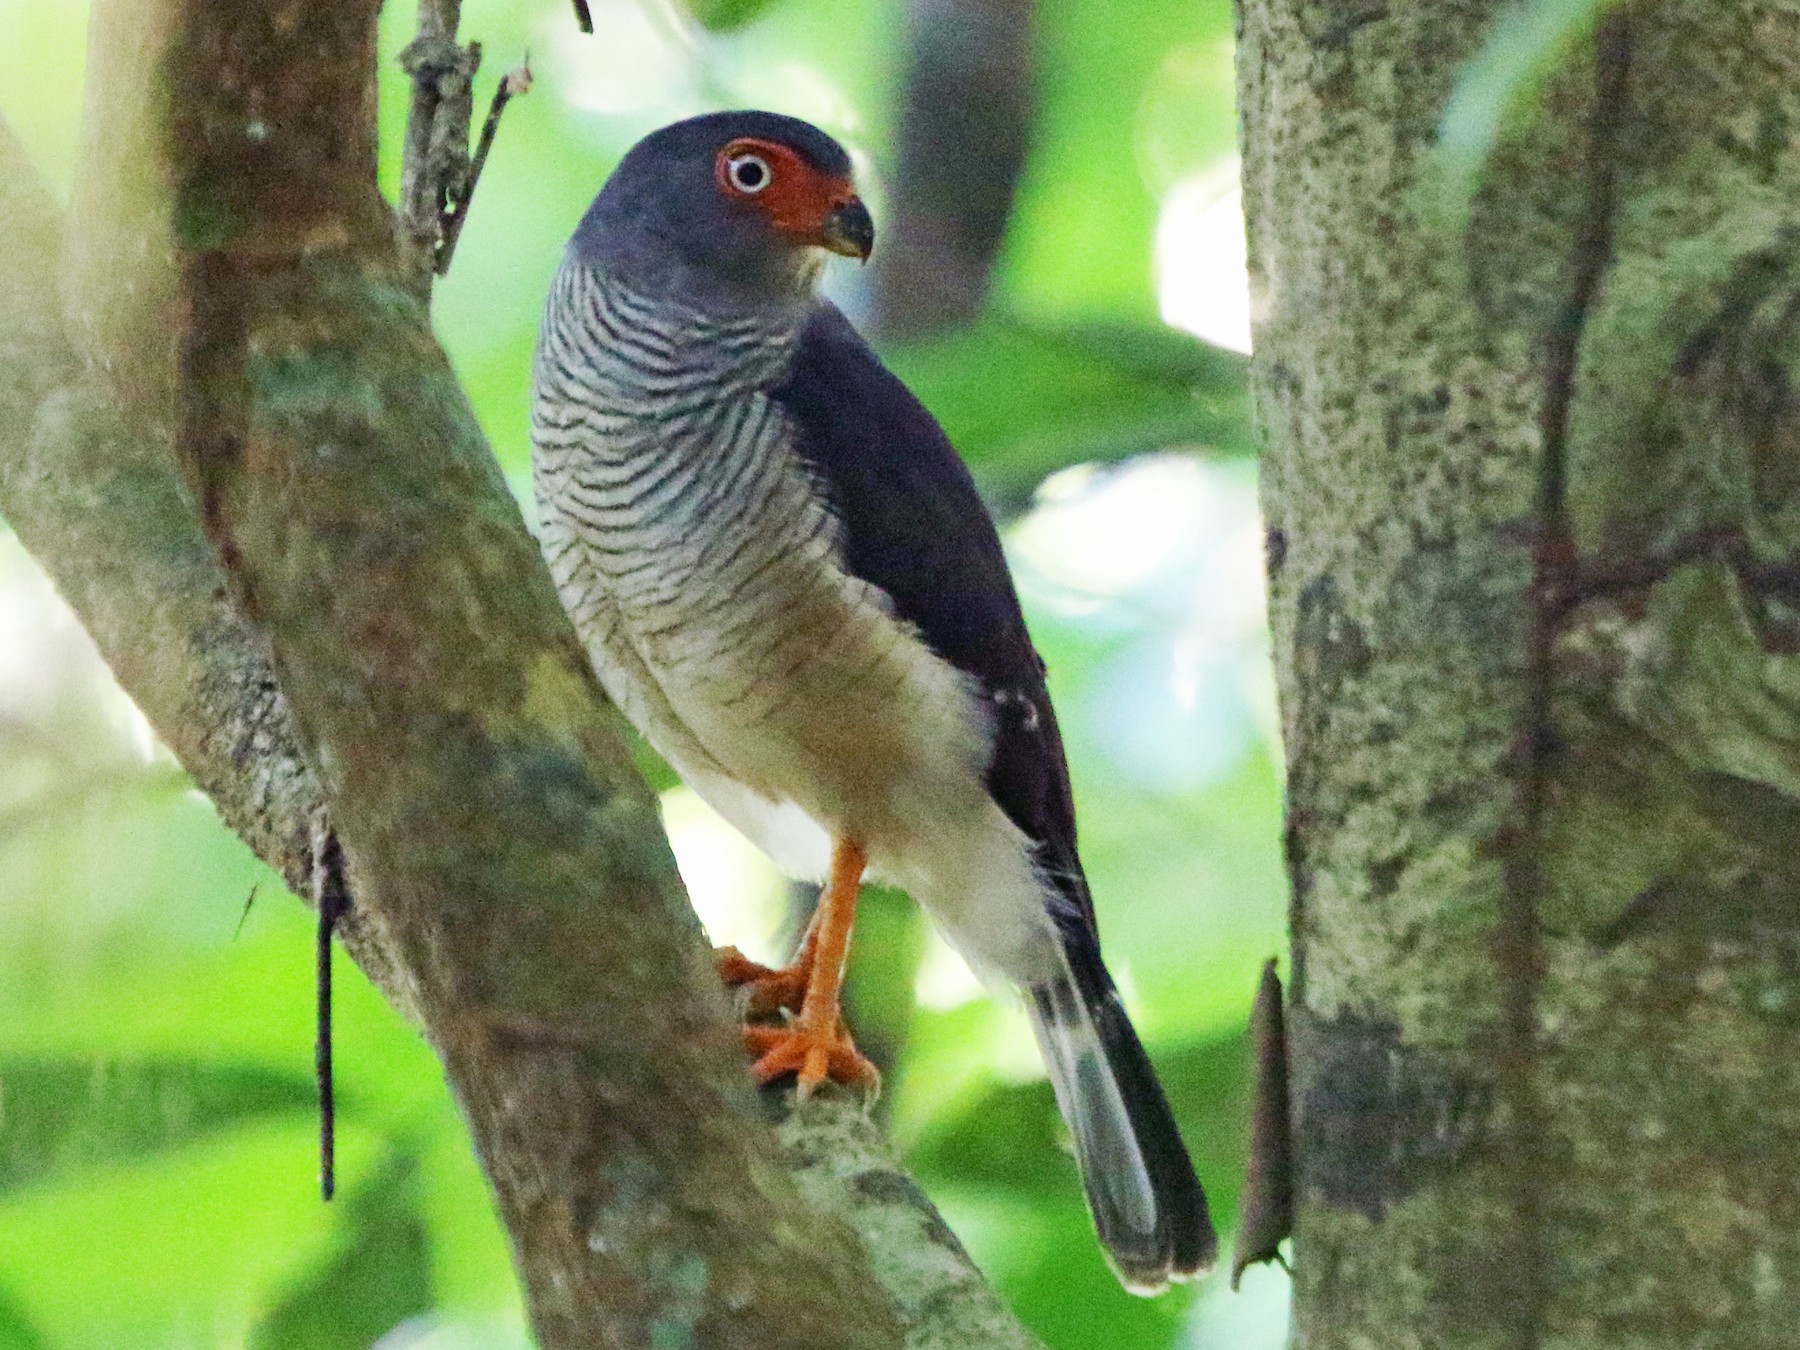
(747, 199)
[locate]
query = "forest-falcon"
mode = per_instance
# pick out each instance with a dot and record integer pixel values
(784, 576)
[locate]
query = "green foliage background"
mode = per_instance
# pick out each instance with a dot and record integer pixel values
(157, 1127)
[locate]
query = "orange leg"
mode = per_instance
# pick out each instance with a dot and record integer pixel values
(815, 1046)
(771, 988)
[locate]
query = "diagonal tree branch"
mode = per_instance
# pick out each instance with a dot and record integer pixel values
(94, 497)
(514, 892)
(485, 804)
(965, 127)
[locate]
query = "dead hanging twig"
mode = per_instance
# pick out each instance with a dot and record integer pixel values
(332, 899)
(437, 183)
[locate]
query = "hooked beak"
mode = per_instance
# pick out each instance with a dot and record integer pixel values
(847, 229)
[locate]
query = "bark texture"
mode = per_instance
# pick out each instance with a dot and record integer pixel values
(1534, 517)
(235, 294)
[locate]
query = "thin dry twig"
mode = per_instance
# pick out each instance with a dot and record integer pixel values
(249, 900)
(516, 81)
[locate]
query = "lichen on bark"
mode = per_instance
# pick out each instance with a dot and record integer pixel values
(1534, 496)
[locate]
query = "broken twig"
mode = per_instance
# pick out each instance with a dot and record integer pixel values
(1266, 1207)
(516, 81)
(249, 900)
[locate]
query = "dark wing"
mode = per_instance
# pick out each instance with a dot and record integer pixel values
(914, 526)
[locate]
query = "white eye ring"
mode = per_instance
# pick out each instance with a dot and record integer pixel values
(748, 173)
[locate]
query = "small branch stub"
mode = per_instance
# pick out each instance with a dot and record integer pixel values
(1266, 1208)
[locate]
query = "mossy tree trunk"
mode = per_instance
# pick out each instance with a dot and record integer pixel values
(1533, 502)
(232, 442)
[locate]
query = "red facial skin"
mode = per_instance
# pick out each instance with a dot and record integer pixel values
(798, 197)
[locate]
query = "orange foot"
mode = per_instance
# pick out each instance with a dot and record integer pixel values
(810, 1055)
(770, 989)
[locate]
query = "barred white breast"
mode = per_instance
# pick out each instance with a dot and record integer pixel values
(701, 565)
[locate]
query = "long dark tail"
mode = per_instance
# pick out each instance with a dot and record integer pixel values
(1148, 1206)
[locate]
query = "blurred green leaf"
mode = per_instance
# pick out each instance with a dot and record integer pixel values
(181, 1249)
(1021, 401)
(1501, 84)
(949, 1064)
(724, 15)
(833, 62)
(15, 1332)
(380, 1276)
(1207, 1082)
(61, 1114)
(1190, 891)
(652, 766)
(1070, 1298)
(884, 965)
(1154, 351)
(1012, 1235)
(1085, 220)
(236, 1006)
(471, 1263)
(961, 1147)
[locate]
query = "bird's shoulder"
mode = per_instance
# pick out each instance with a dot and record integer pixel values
(912, 521)
(913, 525)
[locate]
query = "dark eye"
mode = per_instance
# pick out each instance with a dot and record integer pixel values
(749, 174)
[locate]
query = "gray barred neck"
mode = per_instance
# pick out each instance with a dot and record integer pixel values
(652, 344)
